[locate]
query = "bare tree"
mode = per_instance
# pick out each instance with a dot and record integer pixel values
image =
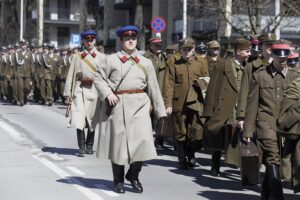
(248, 16)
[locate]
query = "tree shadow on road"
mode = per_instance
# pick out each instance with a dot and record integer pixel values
(58, 150)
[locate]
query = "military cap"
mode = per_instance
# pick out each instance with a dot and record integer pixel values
(89, 34)
(293, 58)
(267, 38)
(213, 44)
(10, 47)
(50, 46)
(255, 44)
(155, 40)
(23, 42)
(280, 48)
(17, 45)
(127, 30)
(3, 48)
(242, 44)
(186, 42)
(173, 47)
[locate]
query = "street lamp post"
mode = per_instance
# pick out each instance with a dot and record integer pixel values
(21, 21)
(184, 21)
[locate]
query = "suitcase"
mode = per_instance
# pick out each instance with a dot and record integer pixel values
(249, 163)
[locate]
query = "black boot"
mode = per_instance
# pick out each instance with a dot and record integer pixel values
(265, 188)
(181, 153)
(132, 176)
(89, 142)
(216, 161)
(118, 174)
(81, 142)
(193, 147)
(274, 182)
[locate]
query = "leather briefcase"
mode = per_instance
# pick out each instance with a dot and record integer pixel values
(249, 163)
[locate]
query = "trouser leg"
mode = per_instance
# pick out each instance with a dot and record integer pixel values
(274, 182)
(216, 162)
(118, 173)
(134, 171)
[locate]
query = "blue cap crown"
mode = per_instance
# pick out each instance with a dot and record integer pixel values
(127, 28)
(88, 33)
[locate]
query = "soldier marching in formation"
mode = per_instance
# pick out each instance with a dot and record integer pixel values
(214, 103)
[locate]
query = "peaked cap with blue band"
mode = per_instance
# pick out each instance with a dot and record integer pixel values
(88, 33)
(127, 30)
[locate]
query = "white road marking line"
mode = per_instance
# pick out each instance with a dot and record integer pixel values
(107, 190)
(54, 156)
(75, 183)
(17, 136)
(76, 171)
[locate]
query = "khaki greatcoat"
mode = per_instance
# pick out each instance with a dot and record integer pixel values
(289, 122)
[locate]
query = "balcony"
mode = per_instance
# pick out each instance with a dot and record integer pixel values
(63, 16)
(128, 4)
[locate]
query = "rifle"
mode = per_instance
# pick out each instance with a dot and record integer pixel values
(72, 92)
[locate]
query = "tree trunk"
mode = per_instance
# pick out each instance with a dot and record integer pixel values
(83, 15)
(138, 21)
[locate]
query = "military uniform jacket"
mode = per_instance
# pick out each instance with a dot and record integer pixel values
(179, 78)
(264, 99)
(55, 62)
(24, 63)
(212, 64)
(125, 135)
(245, 84)
(85, 105)
(3, 66)
(288, 121)
(221, 97)
(160, 63)
(65, 67)
(11, 70)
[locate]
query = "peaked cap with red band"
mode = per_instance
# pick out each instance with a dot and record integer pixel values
(155, 40)
(281, 49)
(127, 30)
(293, 59)
(90, 34)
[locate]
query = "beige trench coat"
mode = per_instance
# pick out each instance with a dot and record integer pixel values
(126, 134)
(85, 106)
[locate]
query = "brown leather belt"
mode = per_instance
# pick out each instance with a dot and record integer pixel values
(128, 92)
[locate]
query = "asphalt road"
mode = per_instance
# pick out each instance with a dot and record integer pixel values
(38, 162)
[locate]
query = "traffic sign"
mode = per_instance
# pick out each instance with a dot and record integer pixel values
(158, 24)
(75, 39)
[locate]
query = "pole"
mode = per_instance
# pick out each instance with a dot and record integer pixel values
(228, 16)
(40, 21)
(184, 22)
(277, 11)
(21, 21)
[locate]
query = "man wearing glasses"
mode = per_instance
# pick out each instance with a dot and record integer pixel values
(263, 106)
(159, 61)
(128, 86)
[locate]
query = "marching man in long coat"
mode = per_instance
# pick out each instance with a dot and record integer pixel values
(81, 91)
(128, 85)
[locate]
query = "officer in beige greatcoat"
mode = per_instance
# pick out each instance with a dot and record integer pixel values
(125, 135)
(263, 106)
(220, 106)
(81, 93)
(183, 69)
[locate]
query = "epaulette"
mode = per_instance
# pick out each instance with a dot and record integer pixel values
(257, 63)
(177, 56)
(147, 54)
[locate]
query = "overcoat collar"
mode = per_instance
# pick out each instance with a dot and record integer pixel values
(229, 73)
(124, 57)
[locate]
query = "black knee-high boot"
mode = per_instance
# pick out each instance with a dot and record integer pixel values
(81, 142)
(274, 182)
(89, 142)
(216, 162)
(118, 174)
(132, 175)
